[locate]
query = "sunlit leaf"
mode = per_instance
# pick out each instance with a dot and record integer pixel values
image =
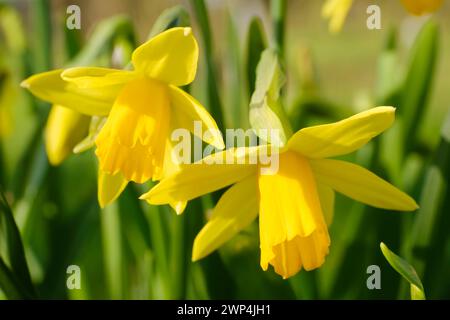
(265, 108)
(173, 17)
(256, 43)
(406, 271)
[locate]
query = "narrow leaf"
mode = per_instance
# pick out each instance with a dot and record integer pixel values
(14, 248)
(418, 82)
(406, 271)
(256, 43)
(173, 17)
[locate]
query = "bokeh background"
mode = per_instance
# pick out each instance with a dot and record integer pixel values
(132, 250)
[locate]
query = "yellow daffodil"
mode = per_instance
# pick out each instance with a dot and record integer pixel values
(296, 203)
(64, 129)
(336, 11)
(143, 105)
(420, 7)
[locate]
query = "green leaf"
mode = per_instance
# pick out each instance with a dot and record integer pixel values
(112, 250)
(432, 213)
(173, 17)
(266, 112)
(388, 83)
(418, 82)
(406, 271)
(234, 103)
(256, 43)
(214, 102)
(8, 283)
(278, 11)
(14, 248)
(42, 28)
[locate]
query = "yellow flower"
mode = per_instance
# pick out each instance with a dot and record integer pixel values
(296, 203)
(420, 7)
(336, 11)
(143, 105)
(64, 129)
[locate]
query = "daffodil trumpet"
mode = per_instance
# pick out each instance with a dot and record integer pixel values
(295, 203)
(143, 106)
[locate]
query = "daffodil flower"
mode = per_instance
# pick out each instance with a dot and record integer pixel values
(295, 204)
(336, 11)
(143, 105)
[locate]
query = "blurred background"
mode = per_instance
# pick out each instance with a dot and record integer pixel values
(131, 250)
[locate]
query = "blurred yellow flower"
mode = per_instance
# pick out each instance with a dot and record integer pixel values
(64, 129)
(8, 94)
(336, 11)
(296, 203)
(143, 105)
(420, 7)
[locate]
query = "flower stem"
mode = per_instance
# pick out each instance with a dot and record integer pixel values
(278, 11)
(42, 30)
(213, 94)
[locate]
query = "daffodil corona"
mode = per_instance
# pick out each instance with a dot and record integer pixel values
(295, 204)
(143, 106)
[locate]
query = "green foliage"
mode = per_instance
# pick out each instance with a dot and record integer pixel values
(15, 280)
(406, 270)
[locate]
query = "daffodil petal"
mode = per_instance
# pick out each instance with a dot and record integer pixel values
(64, 129)
(187, 110)
(327, 196)
(361, 184)
(178, 206)
(93, 77)
(236, 209)
(49, 86)
(171, 57)
(336, 11)
(293, 233)
(109, 187)
(343, 137)
(210, 174)
(170, 167)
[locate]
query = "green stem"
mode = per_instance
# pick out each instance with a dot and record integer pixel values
(112, 249)
(159, 244)
(179, 257)
(42, 31)
(278, 11)
(213, 94)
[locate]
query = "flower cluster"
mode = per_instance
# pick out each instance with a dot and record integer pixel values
(144, 105)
